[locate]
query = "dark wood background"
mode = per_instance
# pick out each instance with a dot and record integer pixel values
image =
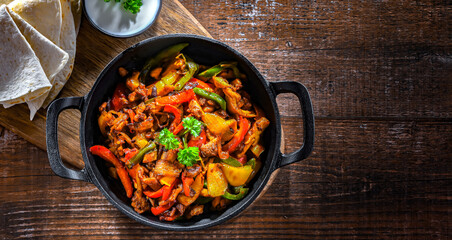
(380, 77)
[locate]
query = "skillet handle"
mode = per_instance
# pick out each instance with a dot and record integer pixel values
(53, 151)
(308, 121)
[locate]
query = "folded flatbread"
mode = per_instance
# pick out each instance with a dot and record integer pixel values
(67, 43)
(43, 15)
(51, 57)
(49, 27)
(21, 75)
(76, 8)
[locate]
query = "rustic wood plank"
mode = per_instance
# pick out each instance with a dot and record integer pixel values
(346, 189)
(371, 58)
(94, 51)
(375, 150)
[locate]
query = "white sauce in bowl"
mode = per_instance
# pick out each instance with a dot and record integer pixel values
(112, 19)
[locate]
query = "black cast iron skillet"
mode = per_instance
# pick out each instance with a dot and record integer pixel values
(204, 51)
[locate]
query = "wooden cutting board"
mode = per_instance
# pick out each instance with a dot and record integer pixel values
(94, 51)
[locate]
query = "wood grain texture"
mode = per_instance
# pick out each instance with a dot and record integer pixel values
(380, 77)
(357, 58)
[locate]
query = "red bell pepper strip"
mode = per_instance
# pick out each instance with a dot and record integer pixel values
(178, 129)
(175, 111)
(118, 95)
(129, 154)
(125, 180)
(177, 115)
(167, 191)
(186, 183)
(199, 140)
(203, 85)
(155, 194)
(182, 97)
(107, 155)
(244, 126)
(160, 209)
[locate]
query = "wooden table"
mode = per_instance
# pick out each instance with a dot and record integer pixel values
(380, 77)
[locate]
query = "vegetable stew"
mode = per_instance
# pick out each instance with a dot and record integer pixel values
(181, 137)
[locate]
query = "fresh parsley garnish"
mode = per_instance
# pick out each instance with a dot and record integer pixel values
(188, 156)
(192, 125)
(167, 139)
(132, 6)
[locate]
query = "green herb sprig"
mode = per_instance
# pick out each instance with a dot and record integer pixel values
(188, 156)
(192, 125)
(132, 6)
(167, 139)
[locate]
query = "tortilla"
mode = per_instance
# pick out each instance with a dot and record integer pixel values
(76, 8)
(44, 22)
(43, 15)
(51, 57)
(67, 43)
(21, 75)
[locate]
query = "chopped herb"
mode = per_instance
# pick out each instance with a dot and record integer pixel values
(132, 6)
(167, 139)
(188, 156)
(192, 125)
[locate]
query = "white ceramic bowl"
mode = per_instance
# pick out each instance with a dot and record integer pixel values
(112, 19)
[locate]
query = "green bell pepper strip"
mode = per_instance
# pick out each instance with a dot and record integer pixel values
(192, 68)
(212, 96)
(213, 71)
(240, 195)
(232, 161)
(236, 189)
(139, 156)
(233, 66)
(251, 162)
(154, 61)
